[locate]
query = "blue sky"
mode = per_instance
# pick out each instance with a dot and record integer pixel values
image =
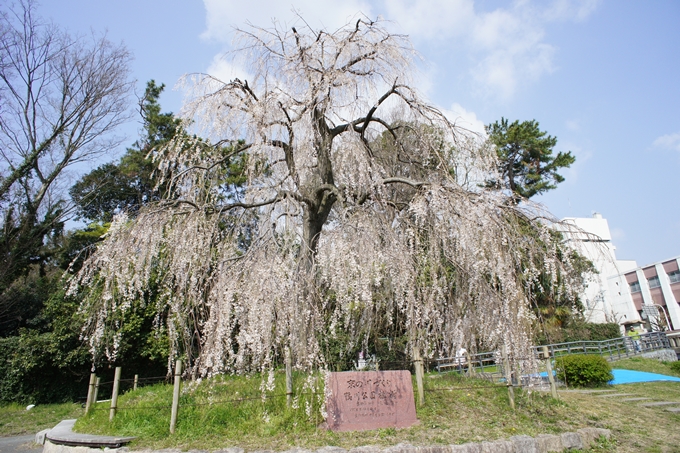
(601, 76)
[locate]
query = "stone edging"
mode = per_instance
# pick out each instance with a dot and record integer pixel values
(543, 443)
(63, 434)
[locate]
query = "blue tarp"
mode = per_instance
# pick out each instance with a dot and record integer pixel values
(631, 377)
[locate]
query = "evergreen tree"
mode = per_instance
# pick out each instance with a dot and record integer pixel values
(129, 184)
(526, 164)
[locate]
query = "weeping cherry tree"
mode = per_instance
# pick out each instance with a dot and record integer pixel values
(364, 208)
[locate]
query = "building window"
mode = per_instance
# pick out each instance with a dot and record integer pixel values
(635, 287)
(654, 282)
(674, 277)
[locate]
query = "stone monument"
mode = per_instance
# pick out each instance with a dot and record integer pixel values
(364, 400)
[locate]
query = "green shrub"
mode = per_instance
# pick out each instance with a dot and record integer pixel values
(602, 332)
(584, 370)
(675, 366)
(577, 330)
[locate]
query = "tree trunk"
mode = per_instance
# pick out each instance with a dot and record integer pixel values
(314, 218)
(321, 200)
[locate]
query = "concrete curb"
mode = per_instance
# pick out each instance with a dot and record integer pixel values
(543, 443)
(63, 435)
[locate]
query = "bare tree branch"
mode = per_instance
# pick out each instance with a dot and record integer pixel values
(61, 99)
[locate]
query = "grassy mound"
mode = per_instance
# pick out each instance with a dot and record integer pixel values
(231, 410)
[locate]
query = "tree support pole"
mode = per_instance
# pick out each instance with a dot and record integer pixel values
(96, 391)
(289, 377)
(114, 395)
(175, 396)
(90, 392)
(418, 365)
(508, 377)
(551, 378)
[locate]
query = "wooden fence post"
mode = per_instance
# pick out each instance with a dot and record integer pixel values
(418, 365)
(175, 396)
(96, 391)
(114, 395)
(508, 377)
(90, 392)
(134, 384)
(548, 366)
(289, 377)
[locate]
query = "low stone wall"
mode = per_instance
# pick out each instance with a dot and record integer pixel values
(543, 443)
(49, 447)
(666, 355)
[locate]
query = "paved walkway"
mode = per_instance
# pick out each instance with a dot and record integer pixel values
(20, 444)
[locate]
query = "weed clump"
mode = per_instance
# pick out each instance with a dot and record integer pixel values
(581, 370)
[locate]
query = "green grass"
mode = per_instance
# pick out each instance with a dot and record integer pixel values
(15, 420)
(635, 428)
(223, 410)
(212, 416)
(229, 411)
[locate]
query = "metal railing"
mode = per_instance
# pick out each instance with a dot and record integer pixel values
(674, 340)
(614, 349)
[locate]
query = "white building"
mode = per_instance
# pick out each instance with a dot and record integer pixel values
(649, 295)
(622, 292)
(591, 238)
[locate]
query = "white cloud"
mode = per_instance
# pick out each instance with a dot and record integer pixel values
(510, 49)
(226, 70)
(465, 119)
(506, 47)
(577, 10)
(223, 15)
(431, 20)
(668, 141)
